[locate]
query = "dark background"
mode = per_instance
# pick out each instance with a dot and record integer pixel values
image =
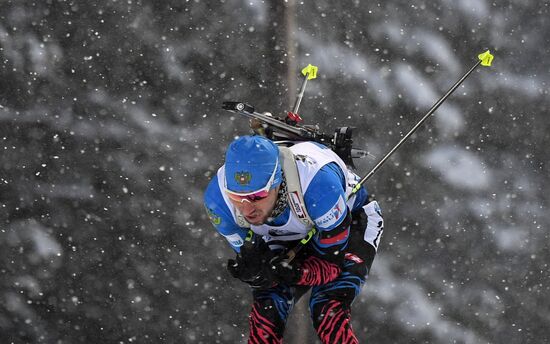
(111, 127)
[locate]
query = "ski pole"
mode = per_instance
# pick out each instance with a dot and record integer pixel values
(485, 59)
(309, 72)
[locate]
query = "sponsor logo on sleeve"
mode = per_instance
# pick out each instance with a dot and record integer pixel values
(215, 219)
(235, 240)
(333, 215)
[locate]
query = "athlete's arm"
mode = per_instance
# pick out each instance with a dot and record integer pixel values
(326, 204)
(325, 200)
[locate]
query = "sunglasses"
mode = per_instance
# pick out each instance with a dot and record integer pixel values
(255, 195)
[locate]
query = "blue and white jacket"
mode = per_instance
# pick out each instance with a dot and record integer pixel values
(326, 183)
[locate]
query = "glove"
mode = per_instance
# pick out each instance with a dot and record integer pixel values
(252, 264)
(285, 272)
(258, 277)
(312, 271)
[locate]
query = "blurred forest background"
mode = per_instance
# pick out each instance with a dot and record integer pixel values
(111, 126)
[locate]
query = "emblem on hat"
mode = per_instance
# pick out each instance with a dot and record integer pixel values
(243, 178)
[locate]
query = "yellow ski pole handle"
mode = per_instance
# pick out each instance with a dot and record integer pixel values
(310, 71)
(486, 58)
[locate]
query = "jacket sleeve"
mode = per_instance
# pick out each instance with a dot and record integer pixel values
(221, 217)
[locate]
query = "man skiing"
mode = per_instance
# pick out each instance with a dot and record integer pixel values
(267, 198)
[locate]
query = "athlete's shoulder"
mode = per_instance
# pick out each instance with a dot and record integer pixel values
(325, 197)
(212, 194)
(218, 211)
(309, 149)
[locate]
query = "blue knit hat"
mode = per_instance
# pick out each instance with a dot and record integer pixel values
(250, 162)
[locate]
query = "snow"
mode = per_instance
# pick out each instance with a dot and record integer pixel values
(479, 9)
(511, 239)
(335, 60)
(111, 127)
(44, 245)
(459, 167)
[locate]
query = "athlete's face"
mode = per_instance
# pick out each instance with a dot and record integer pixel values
(257, 212)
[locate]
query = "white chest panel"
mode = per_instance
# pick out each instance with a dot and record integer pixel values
(294, 229)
